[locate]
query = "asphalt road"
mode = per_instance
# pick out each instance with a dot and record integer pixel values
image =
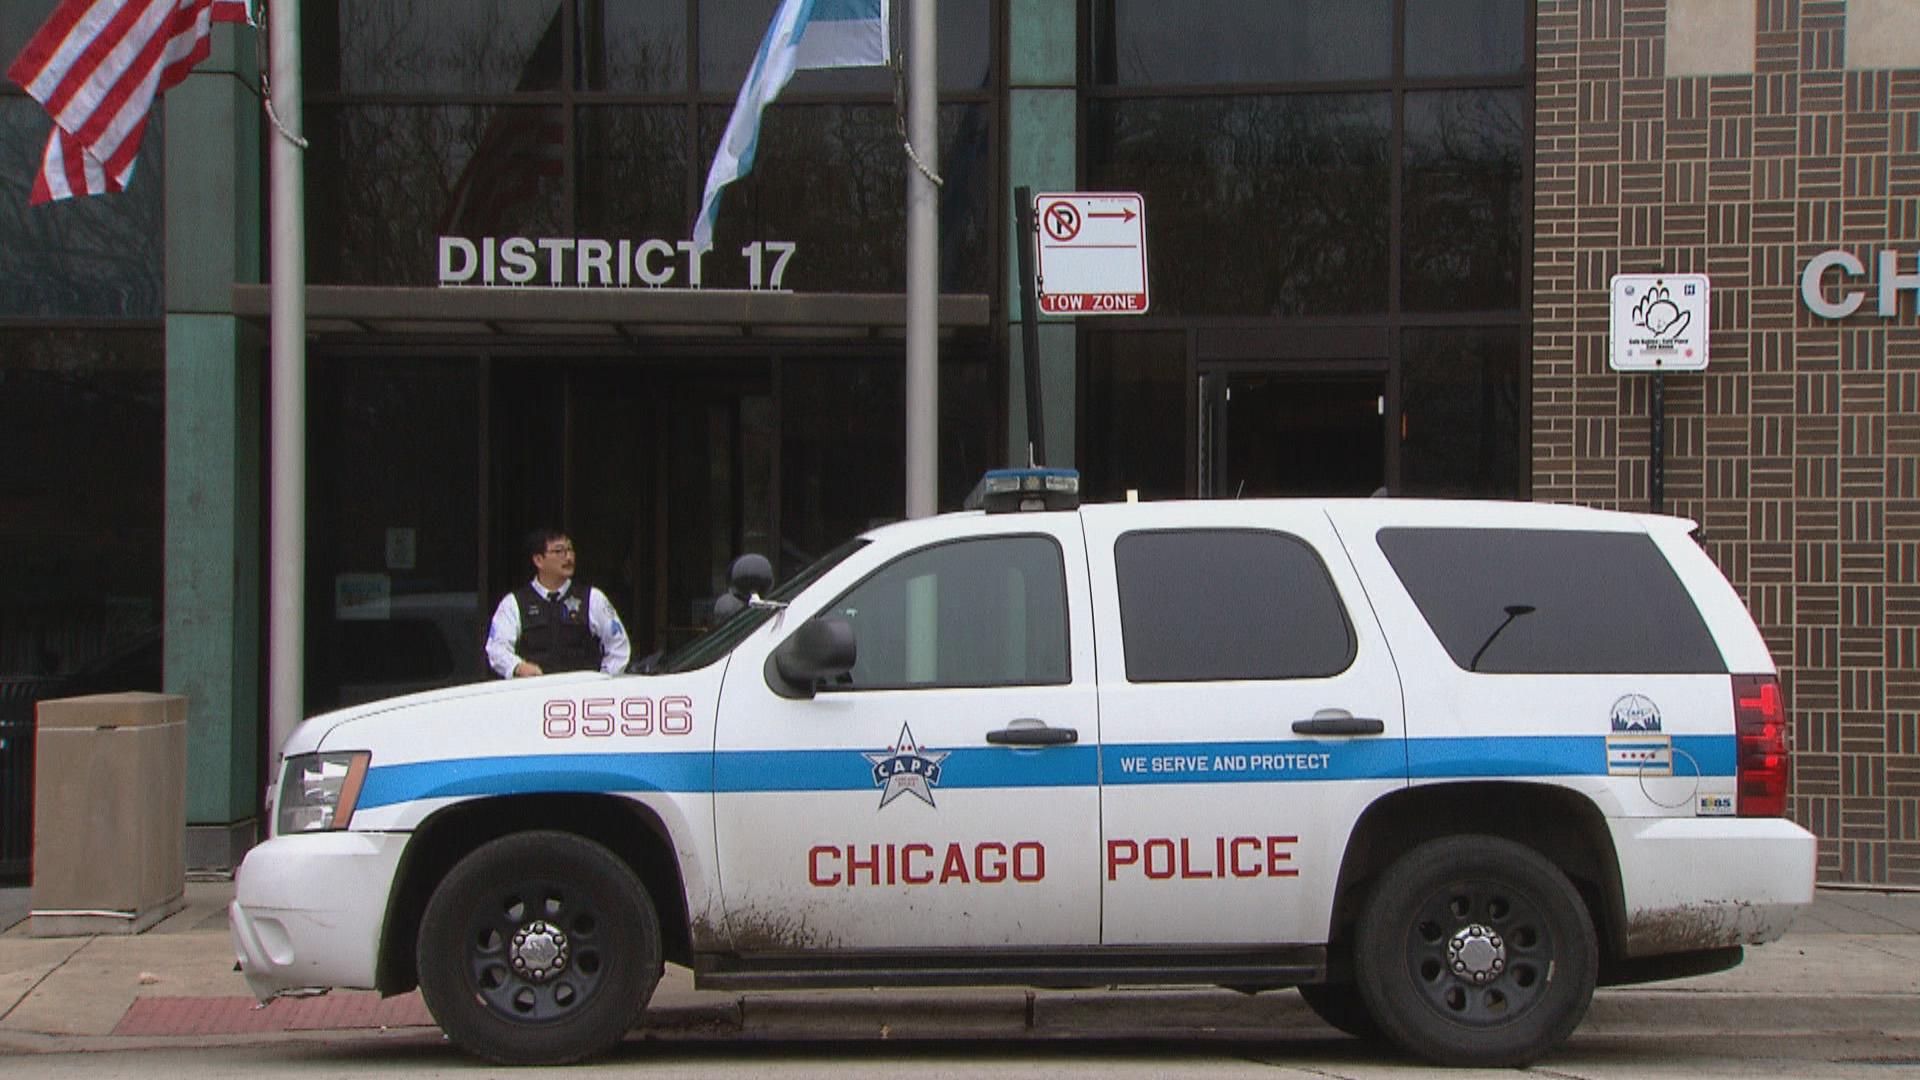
(1613, 1056)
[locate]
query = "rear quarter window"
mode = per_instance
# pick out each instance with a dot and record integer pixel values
(1216, 604)
(1552, 601)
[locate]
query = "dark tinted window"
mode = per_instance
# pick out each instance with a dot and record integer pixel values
(1227, 604)
(1245, 41)
(1257, 205)
(1465, 198)
(1466, 37)
(989, 612)
(432, 46)
(1552, 601)
(1463, 412)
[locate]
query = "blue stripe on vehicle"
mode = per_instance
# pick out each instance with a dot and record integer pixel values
(743, 771)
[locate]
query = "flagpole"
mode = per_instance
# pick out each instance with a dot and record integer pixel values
(287, 436)
(923, 252)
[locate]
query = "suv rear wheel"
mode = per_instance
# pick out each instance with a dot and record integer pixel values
(1474, 950)
(538, 948)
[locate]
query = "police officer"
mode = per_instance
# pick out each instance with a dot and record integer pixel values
(555, 623)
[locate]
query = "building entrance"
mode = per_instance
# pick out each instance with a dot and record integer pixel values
(1266, 432)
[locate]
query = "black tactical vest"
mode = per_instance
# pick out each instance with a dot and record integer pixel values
(556, 635)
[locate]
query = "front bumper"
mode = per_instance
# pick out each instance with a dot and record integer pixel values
(308, 910)
(1705, 883)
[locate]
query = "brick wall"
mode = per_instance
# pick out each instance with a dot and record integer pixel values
(1799, 449)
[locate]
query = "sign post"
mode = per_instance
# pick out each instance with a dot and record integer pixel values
(1659, 324)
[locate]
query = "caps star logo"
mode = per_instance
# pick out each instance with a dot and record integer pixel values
(905, 768)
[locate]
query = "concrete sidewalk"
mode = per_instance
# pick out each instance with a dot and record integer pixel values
(1850, 964)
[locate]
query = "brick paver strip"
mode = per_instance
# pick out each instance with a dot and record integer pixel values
(242, 1016)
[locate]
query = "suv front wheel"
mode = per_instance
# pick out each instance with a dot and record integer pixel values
(538, 948)
(1474, 950)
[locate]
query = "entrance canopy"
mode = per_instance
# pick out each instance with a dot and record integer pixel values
(607, 313)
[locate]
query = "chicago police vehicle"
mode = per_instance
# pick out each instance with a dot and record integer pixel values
(1444, 766)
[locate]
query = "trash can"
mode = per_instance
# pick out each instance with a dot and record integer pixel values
(109, 813)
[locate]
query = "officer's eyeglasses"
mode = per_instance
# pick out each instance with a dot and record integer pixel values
(560, 549)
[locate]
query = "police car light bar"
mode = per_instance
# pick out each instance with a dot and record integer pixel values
(1005, 490)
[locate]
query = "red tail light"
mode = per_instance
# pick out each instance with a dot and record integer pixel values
(1760, 726)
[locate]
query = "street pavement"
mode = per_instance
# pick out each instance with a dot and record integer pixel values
(1850, 964)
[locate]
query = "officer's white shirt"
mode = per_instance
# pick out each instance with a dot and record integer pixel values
(604, 621)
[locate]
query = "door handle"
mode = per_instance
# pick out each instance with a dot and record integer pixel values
(1033, 733)
(1339, 725)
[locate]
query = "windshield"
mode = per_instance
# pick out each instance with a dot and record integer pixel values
(720, 640)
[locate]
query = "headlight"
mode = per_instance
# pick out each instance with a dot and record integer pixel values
(317, 791)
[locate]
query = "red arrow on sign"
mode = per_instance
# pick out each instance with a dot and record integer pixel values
(1125, 215)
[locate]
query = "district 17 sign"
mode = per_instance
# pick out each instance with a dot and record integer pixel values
(1659, 322)
(1092, 253)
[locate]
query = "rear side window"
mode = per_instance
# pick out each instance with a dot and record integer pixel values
(1552, 601)
(1214, 604)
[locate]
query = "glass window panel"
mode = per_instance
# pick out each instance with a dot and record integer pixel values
(82, 416)
(19, 19)
(1463, 406)
(967, 404)
(989, 612)
(1466, 37)
(1212, 604)
(80, 257)
(832, 179)
(1465, 208)
(394, 444)
(384, 182)
(1257, 204)
(839, 418)
(431, 46)
(1512, 601)
(1465, 200)
(1154, 43)
(631, 47)
(1136, 417)
(633, 174)
(731, 32)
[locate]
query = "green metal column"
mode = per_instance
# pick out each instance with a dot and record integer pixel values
(213, 645)
(1042, 140)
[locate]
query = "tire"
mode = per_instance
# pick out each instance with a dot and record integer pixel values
(590, 958)
(1342, 1007)
(1528, 956)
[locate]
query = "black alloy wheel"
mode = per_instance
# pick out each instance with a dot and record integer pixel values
(1474, 950)
(538, 948)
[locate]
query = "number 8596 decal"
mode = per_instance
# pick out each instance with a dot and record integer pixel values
(599, 718)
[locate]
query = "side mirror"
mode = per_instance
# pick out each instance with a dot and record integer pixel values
(821, 649)
(750, 575)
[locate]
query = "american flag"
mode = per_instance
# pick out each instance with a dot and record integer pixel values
(97, 65)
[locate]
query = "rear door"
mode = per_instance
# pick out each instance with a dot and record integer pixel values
(1250, 711)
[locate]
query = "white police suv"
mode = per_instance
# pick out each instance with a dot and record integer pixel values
(1444, 766)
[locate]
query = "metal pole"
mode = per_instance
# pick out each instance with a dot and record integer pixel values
(923, 254)
(287, 407)
(1656, 461)
(1030, 326)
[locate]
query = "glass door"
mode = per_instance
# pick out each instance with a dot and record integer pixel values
(1264, 432)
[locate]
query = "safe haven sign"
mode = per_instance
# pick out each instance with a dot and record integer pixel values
(1092, 253)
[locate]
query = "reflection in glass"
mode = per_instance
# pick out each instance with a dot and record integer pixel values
(1466, 37)
(1135, 421)
(1258, 204)
(81, 257)
(832, 178)
(731, 31)
(431, 46)
(1150, 42)
(839, 418)
(385, 181)
(631, 47)
(81, 422)
(1464, 413)
(633, 173)
(399, 443)
(1465, 206)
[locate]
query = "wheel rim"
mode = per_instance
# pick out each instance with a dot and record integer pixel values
(536, 951)
(1480, 952)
